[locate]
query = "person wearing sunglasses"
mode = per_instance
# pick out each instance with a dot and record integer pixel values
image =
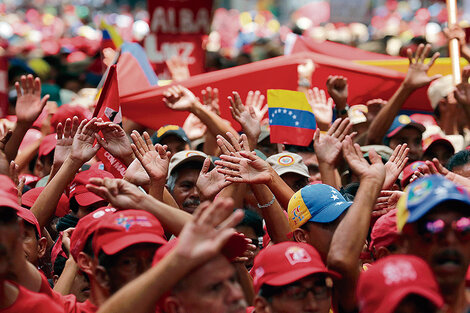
(433, 216)
(290, 277)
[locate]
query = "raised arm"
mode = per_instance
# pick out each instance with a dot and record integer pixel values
(457, 32)
(350, 236)
(416, 77)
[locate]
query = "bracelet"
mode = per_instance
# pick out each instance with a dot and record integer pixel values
(263, 206)
(304, 82)
(344, 111)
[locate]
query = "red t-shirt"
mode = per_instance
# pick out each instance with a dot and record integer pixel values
(28, 301)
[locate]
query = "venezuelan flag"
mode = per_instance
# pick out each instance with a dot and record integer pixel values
(110, 36)
(291, 120)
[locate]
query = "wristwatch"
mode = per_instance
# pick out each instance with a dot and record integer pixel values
(343, 111)
(304, 82)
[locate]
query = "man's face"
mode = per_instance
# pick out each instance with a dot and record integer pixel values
(185, 193)
(129, 264)
(310, 294)
(32, 246)
(448, 253)
(295, 181)
(212, 288)
(319, 237)
(439, 151)
(10, 241)
(413, 138)
(175, 144)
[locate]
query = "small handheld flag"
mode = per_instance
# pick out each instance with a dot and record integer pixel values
(291, 120)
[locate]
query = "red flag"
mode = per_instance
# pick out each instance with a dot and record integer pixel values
(109, 109)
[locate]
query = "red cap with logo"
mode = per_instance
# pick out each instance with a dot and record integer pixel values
(408, 171)
(123, 229)
(30, 196)
(437, 139)
(48, 144)
(385, 284)
(29, 217)
(385, 230)
(285, 263)
(78, 186)
(85, 227)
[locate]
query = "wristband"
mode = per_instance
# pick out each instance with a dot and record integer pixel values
(344, 111)
(304, 82)
(263, 206)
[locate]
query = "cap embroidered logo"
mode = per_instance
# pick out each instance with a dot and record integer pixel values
(419, 191)
(399, 272)
(298, 217)
(128, 221)
(285, 160)
(404, 119)
(297, 255)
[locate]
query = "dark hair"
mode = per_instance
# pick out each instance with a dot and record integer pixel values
(30, 225)
(74, 206)
(459, 159)
(349, 191)
(59, 265)
(254, 221)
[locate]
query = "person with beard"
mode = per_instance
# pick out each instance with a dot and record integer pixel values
(433, 216)
(183, 173)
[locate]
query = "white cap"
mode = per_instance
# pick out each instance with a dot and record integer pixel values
(439, 89)
(185, 156)
(288, 162)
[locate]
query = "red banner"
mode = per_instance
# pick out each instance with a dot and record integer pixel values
(176, 29)
(365, 83)
(3, 86)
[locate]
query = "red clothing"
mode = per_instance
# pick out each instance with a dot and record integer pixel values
(28, 301)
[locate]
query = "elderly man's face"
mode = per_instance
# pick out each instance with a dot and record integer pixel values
(212, 288)
(447, 252)
(413, 138)
(185, 193)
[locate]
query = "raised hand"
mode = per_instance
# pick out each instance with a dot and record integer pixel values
(136, 174)
(83, 148)
(358, 164)
(235, 147)
(210, 98)
(204, 236)
(255, 100)
(306, 69)
(386, 202)
(120, 193)
(155, 160)
(210, 183)
(246, 168)
(114, 141)
(337, 87)
(65, 135)
(179, 98)
(328, 146)
(246, 117)
(193, 127)
(455, 31)
(321, 107)
(4, 164)
(395, 165)
(178, 68)
(29, 103)
(417, 75)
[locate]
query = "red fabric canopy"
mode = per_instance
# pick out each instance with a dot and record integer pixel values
(365, 82)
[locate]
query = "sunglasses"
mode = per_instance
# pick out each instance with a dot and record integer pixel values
(298, 292)
(436, 229)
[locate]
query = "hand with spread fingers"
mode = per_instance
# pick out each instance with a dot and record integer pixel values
(29, 103)
(178, 68)
(65, 135)
(210, 182)
(120, 193)
(417, 75)
(179, 98)
(235, 147)
(322, 108)
(328, 146)
(246, 116)
(247, 167)
(210, 98)
(395, 165)
(255, 101)
(115, 141)
(83, 145)
(154, 159)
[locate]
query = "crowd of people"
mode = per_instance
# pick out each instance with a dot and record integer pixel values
(372, 216)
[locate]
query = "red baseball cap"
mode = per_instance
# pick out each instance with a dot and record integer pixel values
(78, 186)
(437, 139)
(384, 232)
(285, 263)
(385, 284)
(66, 111)
(85, 227)
(425, 119)
(29, 217)
(30, 196)
(408, 171)
(118, 231)
(48, 144)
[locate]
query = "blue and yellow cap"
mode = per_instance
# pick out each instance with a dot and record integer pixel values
(168, 130)
(316, 203)
(423, 195)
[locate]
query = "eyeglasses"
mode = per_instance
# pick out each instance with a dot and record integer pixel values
(298, 292)
(436, 229)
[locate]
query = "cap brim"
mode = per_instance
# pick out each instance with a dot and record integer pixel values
(391, 301)
(415, 125)
(440, 141)
(427, 206)
(87, 198)
(198, 158)
(127, 240)
(286, 170)
(331, 212)
(292, 276)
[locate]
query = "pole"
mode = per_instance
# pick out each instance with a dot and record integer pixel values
(454, 50)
